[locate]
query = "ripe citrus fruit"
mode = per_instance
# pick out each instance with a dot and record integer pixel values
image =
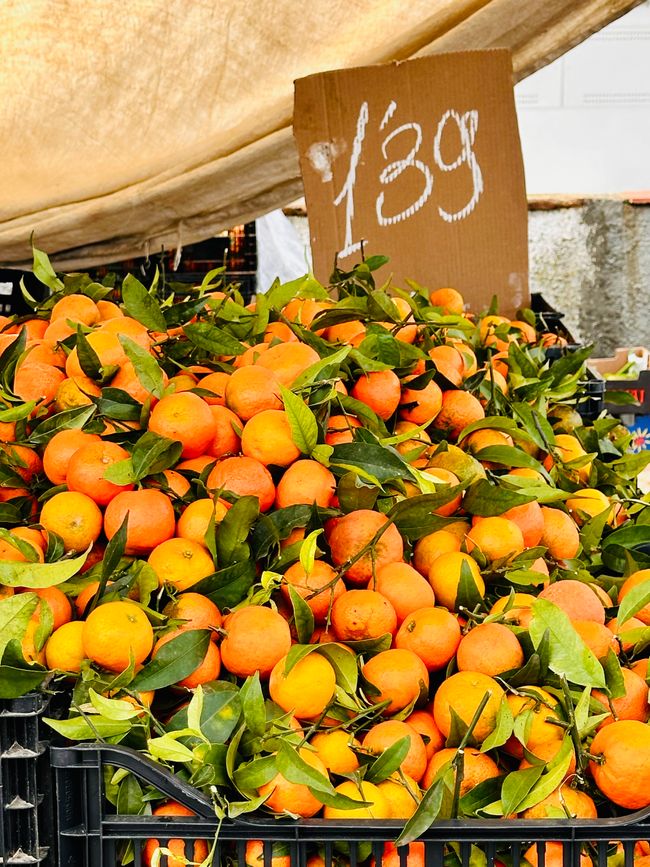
(75, 517)
(433, 634)
(151, 519)
(398, 676)
(354, 532)
(446, 573)
(307, 689)
(490, 648)
(241, 654)
(622, 767)
(180, 563)
(383, 735)
(464, 692)
(115, 633)
(185, 417)
(404, 588)
(361, 614)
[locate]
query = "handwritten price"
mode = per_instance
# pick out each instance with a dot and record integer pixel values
(467, 126)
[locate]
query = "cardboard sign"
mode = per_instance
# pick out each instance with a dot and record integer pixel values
(421, 161)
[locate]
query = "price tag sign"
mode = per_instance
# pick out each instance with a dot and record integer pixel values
(420, 161)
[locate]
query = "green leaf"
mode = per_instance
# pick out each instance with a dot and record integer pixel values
(174, 661)
(145, 366)
(485, 499)
(295, 769)
(468, 595)
(15, 614)
(509, 456)
(377, 462)
(113, 708)
(517, 786)
(415, 516)
(636, 599)
(39, 575)
(114, 552)
(220, 713)
(130, 800)
(630, 537)
(569, 655)
(555, 771)
(249, 777)
(354, 493)
(18, 412)
(344, 664)
(614, 674)
(167, 749)
(195, 710)
(303, 616)
(214, 340)
(426, 814)
(88, 358)
(70, 418)
(502, 730)
(17, 676)
(140, 305)
(389, 761)
(43, 270)
(89, 728)
(252, 699)
(304, 428)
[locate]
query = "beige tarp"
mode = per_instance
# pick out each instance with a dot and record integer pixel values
(127, 124)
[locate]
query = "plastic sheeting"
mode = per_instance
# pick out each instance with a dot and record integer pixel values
(126, 126)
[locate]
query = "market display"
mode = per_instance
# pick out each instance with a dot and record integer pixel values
(352, 559)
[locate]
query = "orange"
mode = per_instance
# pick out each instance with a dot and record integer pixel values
(361, 614)
(449, 299)
(415, 450)
(587, 503)
(459, 408)
(430, 547)
(195, 518)
(484, 439)
(623, 772)
(567, 449)
(305, 481)
(398, 676)
(243, 476)
(632, 705)
(404, 588)
(58, 603)
(477, 767)
(544, 709)
(288, 361)
(307, 689)
(173, 483)
(127, 380)
(420, 405)
(64, 648)
(392, 855)
(530, 520)
(255, 855)
(294, 797)
(89, 592)
(195, 611)
(252, 389)
(636, 578)
(353, 533)
(24, 461)
(76, 308)
(379, 806)
(598, 638)
(576, 599)
(303, 310)
(553, 855)
(268, 438)
(546, 752)
(571, 802)
(423, 723)
(488, 326)
(227, 432)
(345, 332)
(448, 362)
(129, 327)
(279, 331)
(630, 625)
(380, 390)
(185, 417)
(108, 310)
(340, 429)
(74, 517)
(207, 670)
(560, 535)
(76, 391)
(108, 349)
(335, 750)
(431, 633)
(445, 576)
(37, 381)
(116, 632)
(490, 648)
(464, 692)
(496, 538)
(86, 470)
(151, 519)
(180, 563)
(256, 639)
(383, 735)
(215, 383)
(320, 588)
(403, 795)
(196, 850)
(526, 331)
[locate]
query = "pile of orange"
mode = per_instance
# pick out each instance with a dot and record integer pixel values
(385, 512)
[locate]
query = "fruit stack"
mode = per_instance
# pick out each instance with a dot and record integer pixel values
(354, 558)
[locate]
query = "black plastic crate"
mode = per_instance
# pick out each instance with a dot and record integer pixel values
(92, 835)
(27, 830)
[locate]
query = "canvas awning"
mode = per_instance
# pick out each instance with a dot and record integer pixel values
(160, 122)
